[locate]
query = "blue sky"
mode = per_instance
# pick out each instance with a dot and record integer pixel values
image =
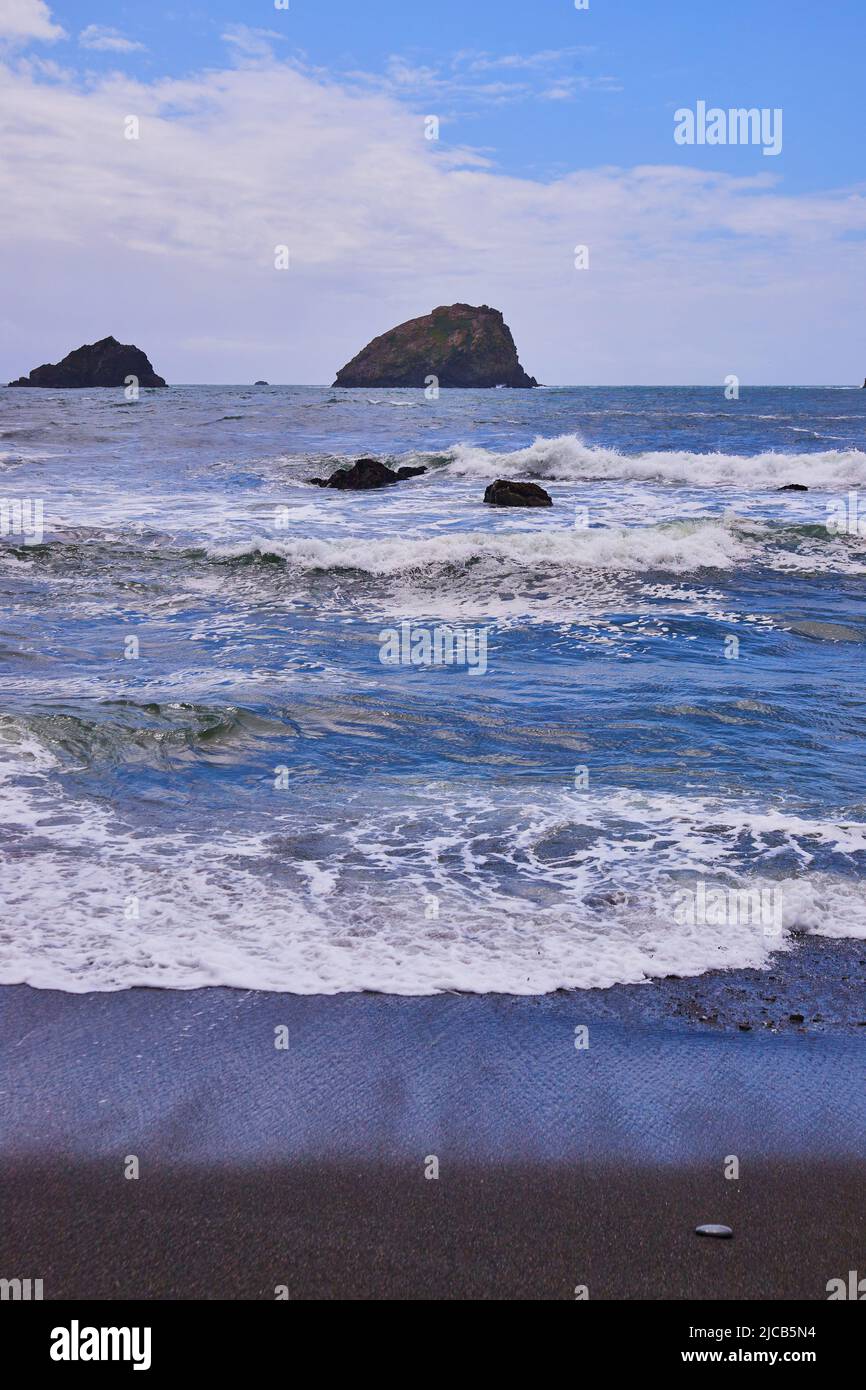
(804, 56)
(262, 126)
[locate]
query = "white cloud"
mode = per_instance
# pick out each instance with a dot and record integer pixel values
(252, 44)
(478, 80)
(106, 40)
(566, 88)
(545, 58)
(169, 240)
(27, 19)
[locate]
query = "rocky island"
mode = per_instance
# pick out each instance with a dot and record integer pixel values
(458, 344)
(106, 363)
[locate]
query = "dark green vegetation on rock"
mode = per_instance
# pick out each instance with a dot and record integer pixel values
(458, 344)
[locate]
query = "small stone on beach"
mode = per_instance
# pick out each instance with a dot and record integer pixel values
(721, 1232)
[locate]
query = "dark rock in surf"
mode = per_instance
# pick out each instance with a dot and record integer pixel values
(507, 493)
(793, 487)
(366, 474)
(260, 383)
(457, 344)
(106, 363)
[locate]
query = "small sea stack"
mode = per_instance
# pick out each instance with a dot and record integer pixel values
(106, 363)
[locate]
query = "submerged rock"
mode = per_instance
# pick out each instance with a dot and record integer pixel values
(458, 344)
(825, 632)
(507, 493)
(793, 487)
(106, 363)
(367, 473)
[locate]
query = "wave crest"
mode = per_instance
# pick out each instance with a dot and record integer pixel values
(568, 459)
(678, 547)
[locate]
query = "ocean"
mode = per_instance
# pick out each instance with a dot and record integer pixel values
(235, 751)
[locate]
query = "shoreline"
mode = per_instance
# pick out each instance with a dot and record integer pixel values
(305, 1166)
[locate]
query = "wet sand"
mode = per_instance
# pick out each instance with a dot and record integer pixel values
(558, 1166)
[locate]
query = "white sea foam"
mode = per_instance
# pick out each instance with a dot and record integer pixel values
(568, 458)
(453, 888)
(676, 547)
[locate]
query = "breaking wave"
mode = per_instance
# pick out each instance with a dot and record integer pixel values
(445, 887)
(672, 547)
(568, 458)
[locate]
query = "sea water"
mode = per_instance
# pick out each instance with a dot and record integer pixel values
(212, 775)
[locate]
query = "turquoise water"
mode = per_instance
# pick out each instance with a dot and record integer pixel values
(211, 776)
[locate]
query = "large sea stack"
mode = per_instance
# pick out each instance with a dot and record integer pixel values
(458, 344)
(106, 363)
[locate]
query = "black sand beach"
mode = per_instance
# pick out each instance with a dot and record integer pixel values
(304, 1168)
(379, 1231)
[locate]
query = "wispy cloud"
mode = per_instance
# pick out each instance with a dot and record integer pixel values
(106, 40)
(251, 43)
(474, 78)
(474, 61)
